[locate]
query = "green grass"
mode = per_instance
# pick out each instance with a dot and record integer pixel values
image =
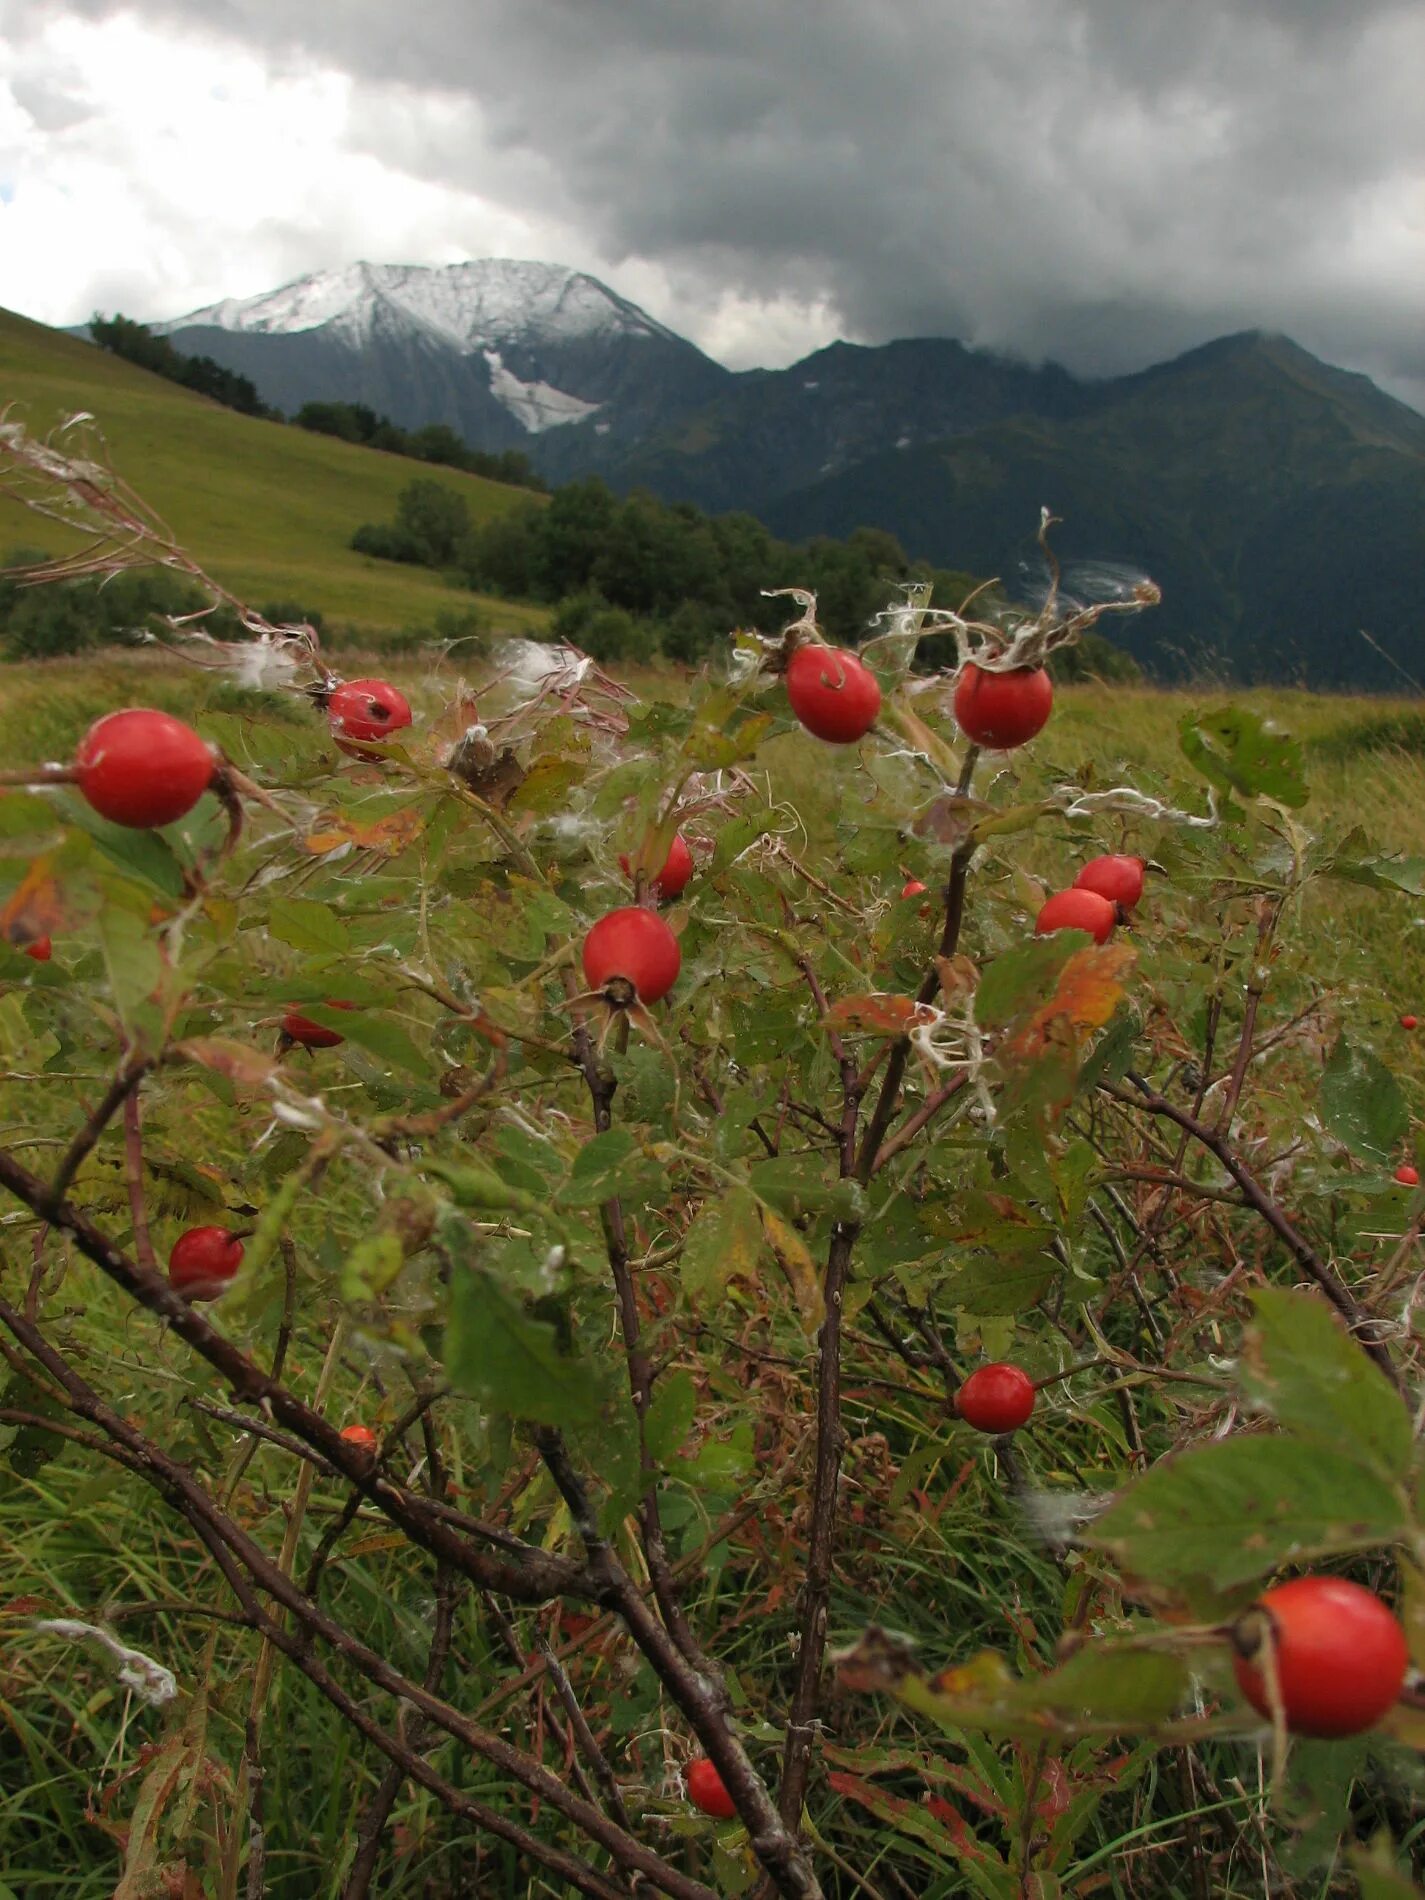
(267, 509)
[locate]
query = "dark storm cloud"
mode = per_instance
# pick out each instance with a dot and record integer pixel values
(1107, 181)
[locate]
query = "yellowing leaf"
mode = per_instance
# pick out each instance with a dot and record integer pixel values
(794, 1258)
(722, 1244)
(1089, 989)
(33, 908)
(388, 836)
(244, 1066)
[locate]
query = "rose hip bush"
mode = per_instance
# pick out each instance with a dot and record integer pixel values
(594, 1282)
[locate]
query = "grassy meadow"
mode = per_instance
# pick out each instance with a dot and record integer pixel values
(268, 510)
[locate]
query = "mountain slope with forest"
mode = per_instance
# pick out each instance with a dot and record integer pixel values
(1278, 503)
(1277, 500)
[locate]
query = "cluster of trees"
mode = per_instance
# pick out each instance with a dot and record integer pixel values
(632, 577)
(436, 442)
(136, 343)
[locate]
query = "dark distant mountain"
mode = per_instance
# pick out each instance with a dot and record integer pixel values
(502, 351)
(1278, 501)
(768, 432)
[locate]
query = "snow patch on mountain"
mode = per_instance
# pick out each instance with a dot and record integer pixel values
(538, 406)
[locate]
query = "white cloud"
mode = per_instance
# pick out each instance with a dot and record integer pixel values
(154, 173)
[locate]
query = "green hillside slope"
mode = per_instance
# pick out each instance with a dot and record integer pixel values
(267, 509)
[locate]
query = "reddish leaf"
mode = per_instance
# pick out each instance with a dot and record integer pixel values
(388, 836)
(878, 1014)
(1089, 989)
(33, 908)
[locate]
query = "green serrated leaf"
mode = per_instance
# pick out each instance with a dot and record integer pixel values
(1238, 751)
(475, 1185)
(1361, 1102)
(307, 926)
(547, 784)
(670, 1416)
(1301, 1367)
(598, 1166)
(1226, 1513)
(793, 1184)
(145, 854)
(373, 1264)
(1357, 861)
(722, 1244)
(132, 958)
(994, 1286)
(516, 1364)
(1022, 977)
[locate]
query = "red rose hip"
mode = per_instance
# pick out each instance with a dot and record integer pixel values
(1077, 910)
(142, 768)
(834, 695)
(361, 1437)
(366, 710)
(636, 947)
(1410, 1022)
(1118, 878)
(1340, 1655)
(1407, 1175)
(204, 1262)
(677, 868)
(706, 1790)
(40, 948)
(1002, 710)
(997, 1398)
(913, 888)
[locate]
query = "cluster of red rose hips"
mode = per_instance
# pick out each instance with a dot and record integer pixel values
(837, 697)
(1102, 895)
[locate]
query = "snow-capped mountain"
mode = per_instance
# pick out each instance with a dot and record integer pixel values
(499, 348)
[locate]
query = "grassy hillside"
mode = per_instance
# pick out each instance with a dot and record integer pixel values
(267, 509)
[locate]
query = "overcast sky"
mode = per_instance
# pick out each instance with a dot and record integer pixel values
(1104, 181)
